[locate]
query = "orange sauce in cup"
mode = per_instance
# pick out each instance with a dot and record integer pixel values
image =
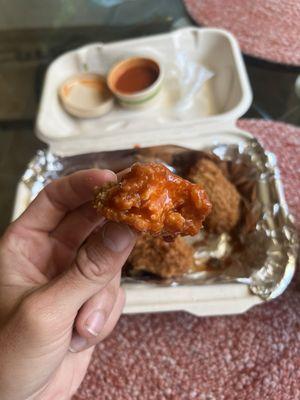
(136, 79)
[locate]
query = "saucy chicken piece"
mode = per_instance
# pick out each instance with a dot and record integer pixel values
(151, 199)
(155, 255)
(222, 193)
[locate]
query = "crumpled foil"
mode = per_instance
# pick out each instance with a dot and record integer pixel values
(262, 249)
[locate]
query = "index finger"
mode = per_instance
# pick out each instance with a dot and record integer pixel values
(61, 196)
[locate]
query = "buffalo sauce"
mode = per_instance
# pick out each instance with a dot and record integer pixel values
(151, 199)
(136, 79)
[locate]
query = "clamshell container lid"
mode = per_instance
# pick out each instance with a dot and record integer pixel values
(220, 102)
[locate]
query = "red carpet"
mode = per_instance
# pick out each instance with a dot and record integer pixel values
(265, 29)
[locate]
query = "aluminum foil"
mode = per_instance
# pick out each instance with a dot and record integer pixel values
(260, 252)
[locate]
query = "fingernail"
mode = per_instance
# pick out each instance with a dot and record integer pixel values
(77, 344)
(117, 237)
(110, 174)
(95, 322)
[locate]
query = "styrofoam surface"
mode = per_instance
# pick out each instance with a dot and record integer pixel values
(217, 299)
(225, 97)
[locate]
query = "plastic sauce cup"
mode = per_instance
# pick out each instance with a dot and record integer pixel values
(136, 81)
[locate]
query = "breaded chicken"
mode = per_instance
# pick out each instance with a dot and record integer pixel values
(151, 199)
(165, 259)
(222, 194)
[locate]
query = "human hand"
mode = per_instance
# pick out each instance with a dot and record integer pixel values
(60, 267)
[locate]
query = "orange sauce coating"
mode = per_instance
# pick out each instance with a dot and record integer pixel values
(150, 198)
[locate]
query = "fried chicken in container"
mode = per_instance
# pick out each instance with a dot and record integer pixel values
(151, 199)
(224, 197)
(161, 258)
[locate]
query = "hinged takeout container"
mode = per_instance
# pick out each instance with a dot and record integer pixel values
(206, 118)
(220, 102)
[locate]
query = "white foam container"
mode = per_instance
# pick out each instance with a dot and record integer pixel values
(221, 100)
(229, 96)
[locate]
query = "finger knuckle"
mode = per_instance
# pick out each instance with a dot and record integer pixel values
(107, 299)
(95, 261)
(112, 290)
(35, 316)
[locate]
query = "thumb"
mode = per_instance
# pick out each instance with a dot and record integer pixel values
(97, 262)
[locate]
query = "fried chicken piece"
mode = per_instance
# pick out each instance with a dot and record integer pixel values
(151, 199)
(154, 255)
(222, 193)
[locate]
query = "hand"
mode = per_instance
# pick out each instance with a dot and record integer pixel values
(60, 294)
